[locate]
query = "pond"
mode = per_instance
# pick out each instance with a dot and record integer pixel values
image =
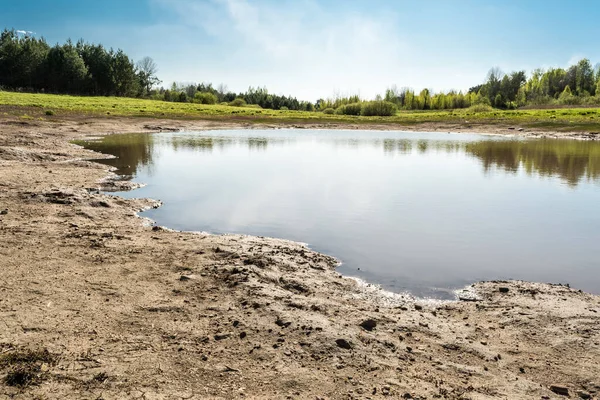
(424, 213)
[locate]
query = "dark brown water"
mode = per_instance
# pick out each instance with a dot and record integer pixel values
(419, 212)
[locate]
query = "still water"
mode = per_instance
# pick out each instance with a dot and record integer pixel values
(418, 212)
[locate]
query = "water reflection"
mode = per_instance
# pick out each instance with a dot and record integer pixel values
(569, 160)
(422, 212)
(132, 151)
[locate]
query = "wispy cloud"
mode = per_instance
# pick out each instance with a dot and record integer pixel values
(299, 47)
(26, 33)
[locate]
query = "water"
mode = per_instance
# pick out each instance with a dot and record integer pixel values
(419, 212)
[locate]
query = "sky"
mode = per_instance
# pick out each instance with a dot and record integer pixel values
(320, 49)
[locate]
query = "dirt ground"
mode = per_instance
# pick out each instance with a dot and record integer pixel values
(96, 303)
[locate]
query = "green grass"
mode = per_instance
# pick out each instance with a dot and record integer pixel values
(38, 105)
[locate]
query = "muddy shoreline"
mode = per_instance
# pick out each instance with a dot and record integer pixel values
(126, 310)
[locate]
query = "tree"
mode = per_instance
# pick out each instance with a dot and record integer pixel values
(493, 84)
(66, 71)
(584, 78)
(123, 74)
(499, 101)
(566, 97)
(146, 72)
(98, 62)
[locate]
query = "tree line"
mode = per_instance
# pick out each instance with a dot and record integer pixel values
(206, 93)
(31, 64)
(577, 85)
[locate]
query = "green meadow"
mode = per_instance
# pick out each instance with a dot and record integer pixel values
(49, 106)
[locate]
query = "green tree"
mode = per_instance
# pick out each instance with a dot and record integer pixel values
(98, 62)
(65, 70)
(584, 77)
(123, 74)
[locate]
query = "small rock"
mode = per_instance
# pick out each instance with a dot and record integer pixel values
(418, 307)
(503, 289)
(559, 389)
(282, 323)
(584, 395)
(243, 335)
(368, 324)
(344, 344)
(4, 212)
(184, 278)
(221, 336)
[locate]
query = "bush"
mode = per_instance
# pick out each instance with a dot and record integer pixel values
(349, 109)
(205, 98)
(328, 111)
(480, 108)
(378, 108)
(238, 102)
(254, 106)
(284, 108)
(224, 103)
(49, 112)
(182, 97)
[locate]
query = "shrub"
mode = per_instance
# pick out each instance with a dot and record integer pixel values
(254, 106)
(49, 112)
(205, 98)
(378, 108)
(349, 109)
(284, 108)
(224, 103)
(182, 97)
(238, 102)
(328, 111)
(480, 108)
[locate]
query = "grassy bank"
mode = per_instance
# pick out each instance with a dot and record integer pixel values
(28, 105)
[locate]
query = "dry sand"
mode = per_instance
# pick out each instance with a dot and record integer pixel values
(97, 304)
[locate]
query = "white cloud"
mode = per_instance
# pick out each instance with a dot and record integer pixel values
(22, 32)
(303, 49)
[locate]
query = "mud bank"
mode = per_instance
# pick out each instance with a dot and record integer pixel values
(96, 304)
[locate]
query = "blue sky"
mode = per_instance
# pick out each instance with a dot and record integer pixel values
(313, 49)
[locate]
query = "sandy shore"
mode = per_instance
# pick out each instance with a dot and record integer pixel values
(95, 304)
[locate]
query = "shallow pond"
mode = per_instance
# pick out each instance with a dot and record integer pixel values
(419, 212)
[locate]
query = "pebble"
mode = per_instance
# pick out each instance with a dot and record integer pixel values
(222, 336)
(559, 389)
(503, 289)
(344, 344)
(368, 324)
(282, 323)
